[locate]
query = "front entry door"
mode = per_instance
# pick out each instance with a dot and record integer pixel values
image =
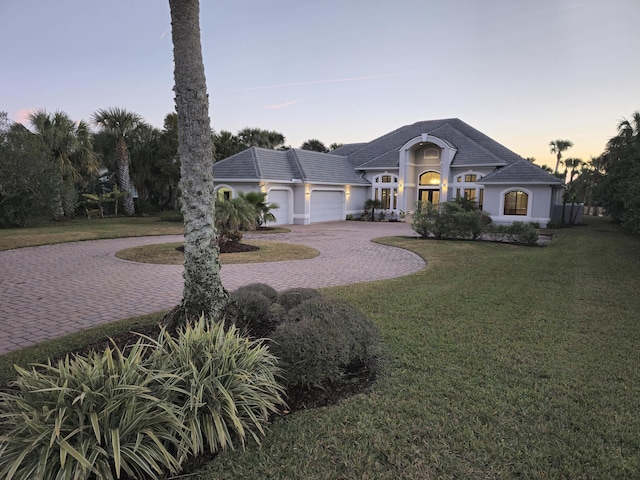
(429, 195)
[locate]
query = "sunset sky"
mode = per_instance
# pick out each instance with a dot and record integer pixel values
(524, 72)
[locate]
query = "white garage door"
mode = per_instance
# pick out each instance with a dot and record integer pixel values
(281, 197)
(326, 206)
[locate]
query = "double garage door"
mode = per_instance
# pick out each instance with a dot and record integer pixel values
(326, 206)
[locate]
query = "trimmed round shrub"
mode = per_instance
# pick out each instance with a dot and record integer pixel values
(250, 311)
(266, 290)
(295, 296)
(322, 340)
(92, 417)
(228, 384)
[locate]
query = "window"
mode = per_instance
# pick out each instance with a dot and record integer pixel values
(386, 191)
(386, 179)
(430, 178)
(516, 203)
(470, 178)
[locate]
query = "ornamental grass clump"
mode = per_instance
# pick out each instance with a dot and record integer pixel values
(228, 385)
(100, 416)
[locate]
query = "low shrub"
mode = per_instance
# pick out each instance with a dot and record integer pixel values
(228, 384)
(249, 310)
(295, 296)
(171, 216)
(518, 232)
(91, 417)
(266, 290)
(322, 340)
(451, 220)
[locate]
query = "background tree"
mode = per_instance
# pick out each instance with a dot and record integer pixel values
(120, 125)
(314, 145)
(226, 144)
(29, 181)
(256, 137)
(334, 146)
(619, 187)
(558, 147)
(71, 152)
(168, 162)
(203, 291)
(570, 194)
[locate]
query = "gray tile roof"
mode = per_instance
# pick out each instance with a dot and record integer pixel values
(473, 147)
(287, 166)
(521, 172)
(342, 166)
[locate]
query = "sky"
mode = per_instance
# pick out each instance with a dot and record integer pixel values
(524, 72)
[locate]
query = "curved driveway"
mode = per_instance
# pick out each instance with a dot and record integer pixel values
(49, 291)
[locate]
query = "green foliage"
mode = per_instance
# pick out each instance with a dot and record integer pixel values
(249, 310)
(228, 384)
(141, 413)
(233, 216)
(295, 296)
(262, 209)
(103, 415)
(29, 182)
(314, 145)
(518, 232)
(451, 220)
(171, 216)
(322, 340)
(266, 290)
(370, 207)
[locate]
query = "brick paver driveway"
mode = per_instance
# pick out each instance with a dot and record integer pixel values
(53, 290)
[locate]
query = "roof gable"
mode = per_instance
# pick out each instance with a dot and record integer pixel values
(521, 172)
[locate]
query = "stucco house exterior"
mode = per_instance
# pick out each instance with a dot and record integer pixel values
(430, 161)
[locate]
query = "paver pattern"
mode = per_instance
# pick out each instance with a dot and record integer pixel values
(53, 290)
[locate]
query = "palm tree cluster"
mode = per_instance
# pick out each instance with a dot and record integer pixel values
(618, 189)
(227, 144)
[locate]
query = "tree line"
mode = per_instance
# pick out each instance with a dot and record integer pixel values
(59, 168)
(608, 183)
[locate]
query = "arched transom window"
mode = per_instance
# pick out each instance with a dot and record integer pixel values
(516, 203)
(386, 190)
(430, 179)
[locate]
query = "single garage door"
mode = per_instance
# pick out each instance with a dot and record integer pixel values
(326, 206)
(281, 197)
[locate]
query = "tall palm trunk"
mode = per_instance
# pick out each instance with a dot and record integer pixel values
(203, 291)
(124, 178)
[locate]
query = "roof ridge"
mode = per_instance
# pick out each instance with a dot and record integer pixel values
(256, 162)
(298, 165)
(501, 160)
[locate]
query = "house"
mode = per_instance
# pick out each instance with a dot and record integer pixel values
(430, 161)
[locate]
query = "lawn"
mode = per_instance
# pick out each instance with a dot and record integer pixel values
(499, 362)
(84, 229)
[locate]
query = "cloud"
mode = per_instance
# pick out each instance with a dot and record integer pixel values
(282, 105)
(22, 116)
(317, 82)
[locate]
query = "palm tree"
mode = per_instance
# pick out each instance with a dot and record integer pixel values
(314, 145)
(570, 193)
(557, 147)
(203, 292)
(262, 208)
(233, 216)
(120, 124)
(71, 152)
(256, 137)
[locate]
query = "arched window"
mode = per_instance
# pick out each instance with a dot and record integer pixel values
(430, 178)
(224, 193)
(516, 203)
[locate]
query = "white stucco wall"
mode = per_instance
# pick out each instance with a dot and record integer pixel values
(539, 203)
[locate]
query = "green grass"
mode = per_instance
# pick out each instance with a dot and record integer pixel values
(500, 362)
(83, 229)
(166, 253)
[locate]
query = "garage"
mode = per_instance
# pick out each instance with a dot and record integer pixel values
(326, 206)
(281, 197)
